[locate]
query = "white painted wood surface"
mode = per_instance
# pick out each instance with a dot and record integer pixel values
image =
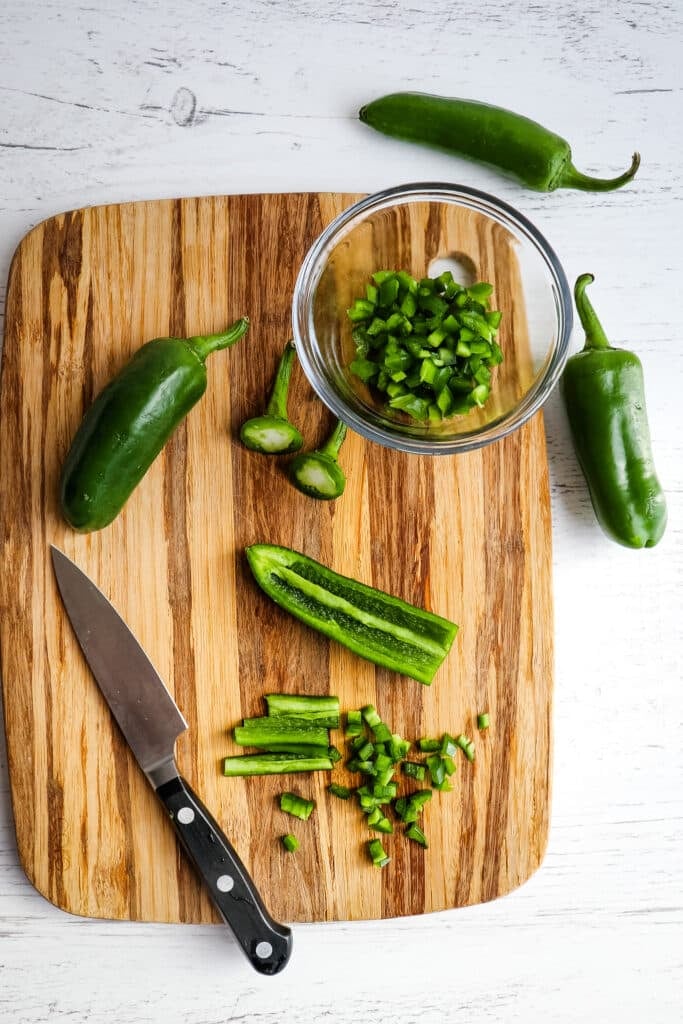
(104, 102)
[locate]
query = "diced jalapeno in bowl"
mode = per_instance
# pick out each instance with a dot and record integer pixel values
(428, 347)
(418, 359)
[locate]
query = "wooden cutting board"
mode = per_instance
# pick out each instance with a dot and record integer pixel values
(468, 536)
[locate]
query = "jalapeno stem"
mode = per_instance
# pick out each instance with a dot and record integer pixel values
(595, 335)
(332, 446)
(572, 178)
(277, 405)
(205, 344)
(272, 433)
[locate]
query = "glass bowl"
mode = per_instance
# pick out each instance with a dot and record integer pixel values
(424, 229)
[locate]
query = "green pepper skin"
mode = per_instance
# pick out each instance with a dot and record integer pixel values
(604, 394)
(129, 423)
(490, 135)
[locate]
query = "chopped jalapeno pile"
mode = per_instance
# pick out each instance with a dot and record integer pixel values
(427, 347)
(294, 737)
(377, 753)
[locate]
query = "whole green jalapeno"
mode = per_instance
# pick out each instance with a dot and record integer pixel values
(605, 399)
(130, 421)
(490, 135)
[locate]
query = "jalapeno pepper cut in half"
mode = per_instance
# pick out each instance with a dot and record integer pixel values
(372, 623)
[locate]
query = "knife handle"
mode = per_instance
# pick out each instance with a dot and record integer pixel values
(267, 944)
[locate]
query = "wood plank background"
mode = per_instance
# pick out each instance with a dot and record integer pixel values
(466, 536)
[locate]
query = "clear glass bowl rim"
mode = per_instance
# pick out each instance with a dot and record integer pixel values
(309, 353)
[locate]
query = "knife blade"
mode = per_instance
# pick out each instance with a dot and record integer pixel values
(151, 722)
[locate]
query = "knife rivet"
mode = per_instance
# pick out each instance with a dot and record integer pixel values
(264, 950)
(185, 815)
(225, 883)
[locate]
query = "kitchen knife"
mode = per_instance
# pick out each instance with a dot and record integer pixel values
(150, 722)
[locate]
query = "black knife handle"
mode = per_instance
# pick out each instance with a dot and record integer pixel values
(267, 944)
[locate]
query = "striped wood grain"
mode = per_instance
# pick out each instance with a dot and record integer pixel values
(466, 536)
